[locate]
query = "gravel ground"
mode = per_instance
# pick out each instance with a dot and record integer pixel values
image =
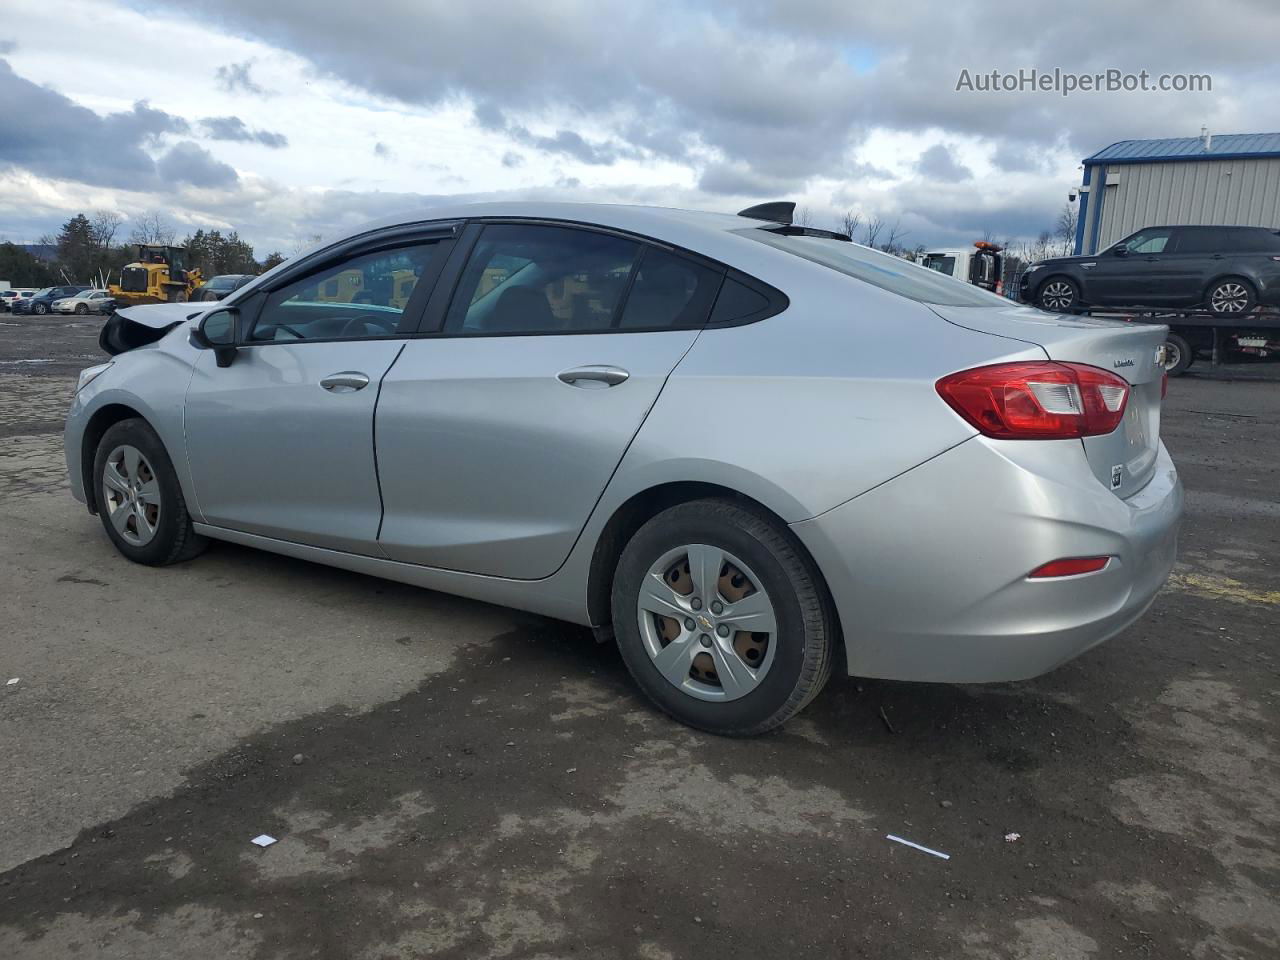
(451, 779)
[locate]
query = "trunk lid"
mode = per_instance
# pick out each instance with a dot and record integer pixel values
(1124, 460)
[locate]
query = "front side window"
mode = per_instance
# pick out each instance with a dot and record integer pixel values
(1147, 241)
(359, 298)
(530, 278)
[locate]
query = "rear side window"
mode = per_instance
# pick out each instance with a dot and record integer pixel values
(1205, 240)
(669, 291)
(1256, 241)
(879, 269)
(530, 278)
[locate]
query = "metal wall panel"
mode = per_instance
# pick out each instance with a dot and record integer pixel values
(1245, 192)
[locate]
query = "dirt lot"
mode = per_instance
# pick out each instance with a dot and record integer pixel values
(456, 780)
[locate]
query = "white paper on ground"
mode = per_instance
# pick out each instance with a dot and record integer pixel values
(264, 840)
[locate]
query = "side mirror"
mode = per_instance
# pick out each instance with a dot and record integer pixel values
(1121, 251)
(219, 331)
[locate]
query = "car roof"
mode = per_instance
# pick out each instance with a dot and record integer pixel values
(688, 228)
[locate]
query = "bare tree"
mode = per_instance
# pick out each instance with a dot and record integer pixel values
(304, 241)
(105, 223)
(151, 227)
(896, 235)
(804, 217)
(849, 223)
(1064, 229)
(873, 228)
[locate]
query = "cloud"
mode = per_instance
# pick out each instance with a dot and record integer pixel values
(236, 78)
(512, 159)
(233, 128)
(7, 46)
(60, 138)
(380, 149)
(938, 163)
(739, 180)
(191, 163)
(565, 142)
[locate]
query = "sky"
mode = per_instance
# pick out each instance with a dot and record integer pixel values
(291, 120)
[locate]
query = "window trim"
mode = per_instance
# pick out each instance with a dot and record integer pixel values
(433, 318)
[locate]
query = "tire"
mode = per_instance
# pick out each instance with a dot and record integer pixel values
(795, 658)
(1058, 295)
(1231, 297)
(172, 538)
(1180, 353)
(39, 309)
(81, 309)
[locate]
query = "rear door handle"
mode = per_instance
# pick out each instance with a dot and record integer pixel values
(348, 381)
(594, 376)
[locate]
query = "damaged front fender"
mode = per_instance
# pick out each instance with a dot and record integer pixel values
(135, 327)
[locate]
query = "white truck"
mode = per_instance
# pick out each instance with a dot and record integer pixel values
(982, 265)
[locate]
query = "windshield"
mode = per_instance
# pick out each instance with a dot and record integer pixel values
(941, 263)
(880, 269)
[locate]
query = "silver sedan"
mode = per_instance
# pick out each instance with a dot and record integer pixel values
(747, 450)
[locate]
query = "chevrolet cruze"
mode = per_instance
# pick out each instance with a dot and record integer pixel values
(750, 451)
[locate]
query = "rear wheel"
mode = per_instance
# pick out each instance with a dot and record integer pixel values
(1231, 297)
(1058, 295)
(722, 621)
(139, 500)
(1178, 355)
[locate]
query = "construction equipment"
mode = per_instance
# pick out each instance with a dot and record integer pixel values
(159, 275)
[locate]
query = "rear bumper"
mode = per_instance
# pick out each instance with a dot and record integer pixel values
(929, 571)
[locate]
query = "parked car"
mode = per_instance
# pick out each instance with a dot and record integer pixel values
(7, 297)
(1225, 270)
(43, 300)
(221, 285)
(746, 450)
(86, 301)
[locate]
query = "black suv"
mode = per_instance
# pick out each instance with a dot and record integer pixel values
(221, 285)
(42, 302)
(1226, 270)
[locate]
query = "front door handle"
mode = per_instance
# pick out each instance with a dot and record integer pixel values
(348, 381)
(595, 375)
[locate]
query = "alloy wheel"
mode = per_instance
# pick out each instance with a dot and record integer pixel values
(131, 495)
(707, 622)
(1228, 298)
(1057, 295)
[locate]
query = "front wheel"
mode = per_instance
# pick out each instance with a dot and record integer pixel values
(721, 619)
(39, 309)
(139, 499)
(81, 309)
(1058, 295)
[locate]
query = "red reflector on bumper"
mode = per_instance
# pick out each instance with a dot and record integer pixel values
(1070, 567)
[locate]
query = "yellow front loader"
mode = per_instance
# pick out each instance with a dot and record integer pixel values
(159, 275)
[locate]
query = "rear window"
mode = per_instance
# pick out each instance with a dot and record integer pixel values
(1255, 241)
(880, 270)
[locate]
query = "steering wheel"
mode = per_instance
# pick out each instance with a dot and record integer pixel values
(359, 326)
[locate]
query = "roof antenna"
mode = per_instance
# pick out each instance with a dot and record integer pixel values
(1206, 138)
(779, 211)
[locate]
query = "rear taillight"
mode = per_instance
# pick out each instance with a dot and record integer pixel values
(1037, 400)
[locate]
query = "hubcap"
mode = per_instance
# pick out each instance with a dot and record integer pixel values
(707, 622)
(1057, 295)
(131, 495)
(1229, 298)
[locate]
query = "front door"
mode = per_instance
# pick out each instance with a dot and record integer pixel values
(496, 437)
(1126, 280)
(281, 441)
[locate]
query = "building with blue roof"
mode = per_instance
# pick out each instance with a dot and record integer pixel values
(1210, 179)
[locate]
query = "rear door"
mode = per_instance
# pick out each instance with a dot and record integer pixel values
(498, 431)
(1182, 271)
(281, 441)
